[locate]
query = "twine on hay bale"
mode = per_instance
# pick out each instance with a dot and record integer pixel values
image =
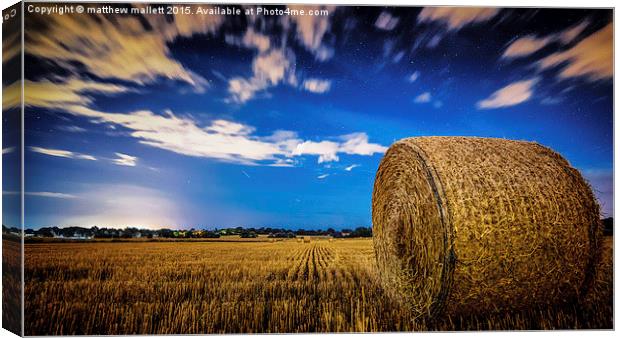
(467, 225)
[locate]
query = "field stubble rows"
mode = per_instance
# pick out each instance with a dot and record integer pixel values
(286, 286)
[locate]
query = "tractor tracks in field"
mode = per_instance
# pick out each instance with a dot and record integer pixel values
(311, 262)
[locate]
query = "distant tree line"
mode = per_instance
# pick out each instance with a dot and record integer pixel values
(130, 232)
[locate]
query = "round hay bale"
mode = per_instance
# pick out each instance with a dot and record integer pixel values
(467, 225)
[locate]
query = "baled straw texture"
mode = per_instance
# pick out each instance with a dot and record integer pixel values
(467, 225)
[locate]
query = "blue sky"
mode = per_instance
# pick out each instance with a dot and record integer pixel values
(211, 121)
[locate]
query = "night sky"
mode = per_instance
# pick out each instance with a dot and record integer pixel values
(211, 121)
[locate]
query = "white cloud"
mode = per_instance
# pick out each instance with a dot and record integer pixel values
(125, 160)
(456, 18)
(62, 153)
(223, 140)
(591, 58)
(225, 127)
(317, 85)
(7, 150)
(413, 77)
(352, 144)
(357, 144)
(326, 150)
(386, 22)
(279, 162)
(513, 94)
(351, 167)
(320, 177)
(423, 98)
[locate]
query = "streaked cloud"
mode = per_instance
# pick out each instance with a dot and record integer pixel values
(50, 194)
(320, 177)
(456, 18)
(386, 21)
(11, 95)
(269, 69)
(218, 139)
(513, 94)
(251, 39)
(62, 153)
(413, 77)
(120, 48)
(591, 58)
(317, 85)
(423, 98)
(42, 194)
(71, 129)
(398, 56)
(568, 35)
(11, 46)
(311, 30)
(351, 167)
(551, 100)
(72, 91)
(8, 150)
(272, 65)
(530, 44)
(525, 46)
(125, 160)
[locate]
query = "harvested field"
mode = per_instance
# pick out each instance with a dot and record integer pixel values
(211, 287)
(11, 283)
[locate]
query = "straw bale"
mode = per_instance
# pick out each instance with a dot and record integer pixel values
(465, 225)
